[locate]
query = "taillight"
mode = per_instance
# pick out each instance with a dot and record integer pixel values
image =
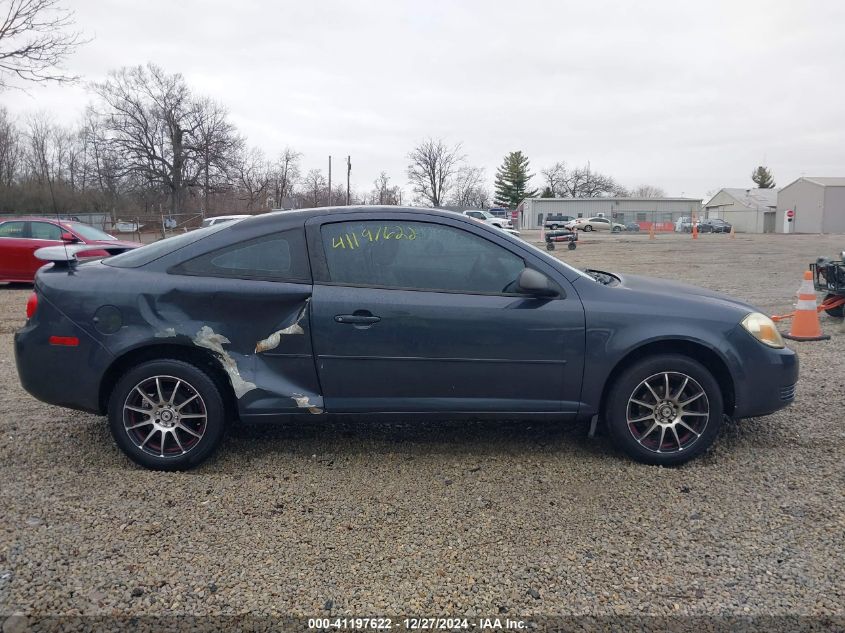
(31, 305)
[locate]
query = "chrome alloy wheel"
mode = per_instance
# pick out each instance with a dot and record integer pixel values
(164, 416)
(667, 412)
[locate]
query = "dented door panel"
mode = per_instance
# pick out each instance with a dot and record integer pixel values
(257, 330)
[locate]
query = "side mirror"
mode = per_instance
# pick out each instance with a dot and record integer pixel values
(533, 282)
(70, 238)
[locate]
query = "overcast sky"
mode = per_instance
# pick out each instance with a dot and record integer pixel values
(687, 96)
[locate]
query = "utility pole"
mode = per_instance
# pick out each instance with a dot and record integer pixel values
(348, 171)
(330, 180)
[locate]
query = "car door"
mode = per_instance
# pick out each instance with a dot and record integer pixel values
(417, 313)
(41, 234)
(14, 251)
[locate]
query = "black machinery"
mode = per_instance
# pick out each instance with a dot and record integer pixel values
(829, 277)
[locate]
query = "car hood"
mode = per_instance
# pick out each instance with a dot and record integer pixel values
(664, 287)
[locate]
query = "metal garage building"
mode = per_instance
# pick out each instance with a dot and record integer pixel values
(748, 210)
(818, 203)
(661, 211)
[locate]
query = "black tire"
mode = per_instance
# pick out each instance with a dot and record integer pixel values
(553, 227)
(588, 227)
(839, 311)
(687, 444)
(572, 246)
(206, 409)
(615, 229)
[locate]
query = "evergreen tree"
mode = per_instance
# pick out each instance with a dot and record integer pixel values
(762, 177)
(512, 181)
(547, 193)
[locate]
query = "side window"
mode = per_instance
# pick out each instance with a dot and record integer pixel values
(11, 229)
(417, 255)
(275, 257)
(44, 231)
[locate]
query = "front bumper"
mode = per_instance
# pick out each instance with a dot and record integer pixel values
(765, 378)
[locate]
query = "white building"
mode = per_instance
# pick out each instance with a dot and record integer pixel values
(818, 205)
(747, 210)
(663, 212)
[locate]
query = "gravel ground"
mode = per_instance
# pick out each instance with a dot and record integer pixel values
(477, 519)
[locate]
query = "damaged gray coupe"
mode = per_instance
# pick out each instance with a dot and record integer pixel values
(385, 311)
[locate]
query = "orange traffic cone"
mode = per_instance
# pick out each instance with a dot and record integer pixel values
(733, 232)
(805, 324)
(651, 231)
(694, 229)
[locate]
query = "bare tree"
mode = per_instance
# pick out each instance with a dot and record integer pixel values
(36, 37)
(161, 132)
(648, 191)
(581, 182)
(382, 192)
(284, 176)
(216, 147)
(315, 188)
(432, 169)
(468, 189)
(252, 173)
(10, 150)
(41, 159)
(554, 176)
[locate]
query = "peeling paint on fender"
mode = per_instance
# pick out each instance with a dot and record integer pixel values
(209, 339)
(167, 332)
(304, 402)
(272, 341)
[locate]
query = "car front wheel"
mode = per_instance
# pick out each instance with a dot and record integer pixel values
(616, 229)
(664, 410)
(588, 227)
(166, 414)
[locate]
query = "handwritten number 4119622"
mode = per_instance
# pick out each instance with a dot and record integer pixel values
(383, 233)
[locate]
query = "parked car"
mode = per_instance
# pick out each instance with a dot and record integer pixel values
(684, 224)
(222, 219)
(632, 226)
(556, 221)
(714, 225)
(500, 212)
(122, 226)
(596, 224)
(488, 218)
(417, 313)
(21, 237)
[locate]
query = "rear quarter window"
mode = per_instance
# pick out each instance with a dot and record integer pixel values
(151, 252)
(276, 257)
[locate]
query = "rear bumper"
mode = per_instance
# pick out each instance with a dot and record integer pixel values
(768, 377)
(56, 374)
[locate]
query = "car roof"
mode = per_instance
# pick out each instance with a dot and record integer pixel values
(30, 218)
(302, 215)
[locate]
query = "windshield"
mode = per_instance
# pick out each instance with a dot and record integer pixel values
(89, 232)
(145, 254)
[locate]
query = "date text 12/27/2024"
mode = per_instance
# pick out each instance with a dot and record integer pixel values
(416, 624)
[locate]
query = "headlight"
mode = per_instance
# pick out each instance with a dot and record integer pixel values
(763, 329)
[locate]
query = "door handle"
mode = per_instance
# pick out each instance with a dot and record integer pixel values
(357, 319)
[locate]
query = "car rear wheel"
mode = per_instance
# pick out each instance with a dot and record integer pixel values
(664, 410)
(166, 415)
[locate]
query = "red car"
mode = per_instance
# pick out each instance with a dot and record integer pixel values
(21, 237)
